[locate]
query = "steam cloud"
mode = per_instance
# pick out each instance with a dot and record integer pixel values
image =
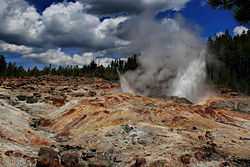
(172, 61)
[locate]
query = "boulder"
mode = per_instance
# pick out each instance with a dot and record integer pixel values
(139, 162)
(70, 159)
(47, 157)
(91, 93)
(28, 99)
(21, 97)
(58, 100)
(185, 159)
(31, 99)
(180, 100)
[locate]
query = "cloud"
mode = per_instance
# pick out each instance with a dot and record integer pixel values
(105, 61)
(69, 26)
(107, 7)
(20, 23)
(60, 25)
(21, 49)
(239, 30)
(58, 57)
(219, 34)
(74, 25)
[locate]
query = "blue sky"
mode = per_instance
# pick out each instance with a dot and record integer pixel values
(25, 62)
(210, 21)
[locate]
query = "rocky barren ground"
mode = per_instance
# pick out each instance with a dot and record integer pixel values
(80, 122)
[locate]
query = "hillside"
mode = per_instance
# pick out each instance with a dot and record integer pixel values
(76, 122)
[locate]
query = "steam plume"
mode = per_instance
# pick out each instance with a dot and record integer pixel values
(172, 61)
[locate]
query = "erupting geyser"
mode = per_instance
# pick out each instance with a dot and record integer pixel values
(172, 61)
(190, 82)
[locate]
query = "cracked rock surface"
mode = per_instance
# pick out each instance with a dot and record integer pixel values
(81, 122)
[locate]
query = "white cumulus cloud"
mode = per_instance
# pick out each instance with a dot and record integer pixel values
(72, 25)
(58, 57)
(60, 25)
(239, 30)
(219, 34)
(6, 47)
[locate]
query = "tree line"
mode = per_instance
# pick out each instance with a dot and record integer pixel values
(110, 72)
(229, 65)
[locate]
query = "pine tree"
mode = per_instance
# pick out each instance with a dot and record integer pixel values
(3, 65)
(231, 62)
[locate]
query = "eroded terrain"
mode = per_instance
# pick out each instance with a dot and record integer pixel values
(77, 122)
